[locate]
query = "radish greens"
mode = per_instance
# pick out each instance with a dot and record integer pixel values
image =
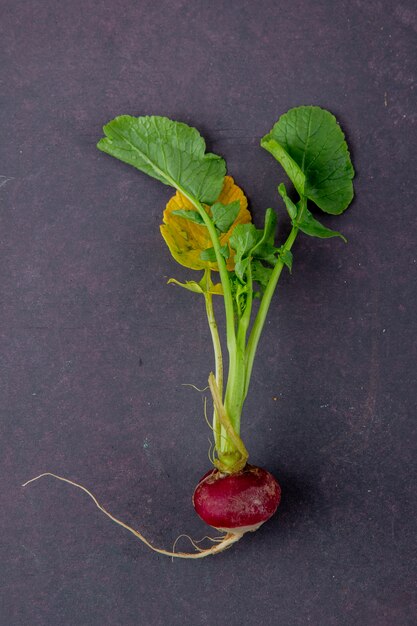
(214, 232)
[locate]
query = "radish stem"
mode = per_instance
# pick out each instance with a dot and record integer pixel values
(224, 276)
(267, 297)
(217, 428)
(240, 455)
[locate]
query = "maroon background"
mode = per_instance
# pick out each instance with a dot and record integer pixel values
(95, 347)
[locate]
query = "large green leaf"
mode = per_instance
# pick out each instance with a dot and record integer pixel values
(169, 151)
(311, 147)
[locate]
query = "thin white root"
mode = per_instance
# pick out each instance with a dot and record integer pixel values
(192, 541)
(194, 387)
(221, 542)
(206, 416)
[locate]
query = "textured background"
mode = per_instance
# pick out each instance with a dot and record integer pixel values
(94, 345)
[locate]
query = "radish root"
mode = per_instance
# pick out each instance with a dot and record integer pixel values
(194, 387)
(222, 543)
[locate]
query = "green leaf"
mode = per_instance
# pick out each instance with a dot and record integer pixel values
(225, 214)
(292, 169)
(310, 226)
(209, 254)
(169, 151)
(311, 147)
(289, 204)
(224, 251)
(193, 216)
(241, 265)
(265, 248)
(260, 273)
(243, 239)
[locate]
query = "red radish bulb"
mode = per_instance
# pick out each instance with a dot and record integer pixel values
(238, 502)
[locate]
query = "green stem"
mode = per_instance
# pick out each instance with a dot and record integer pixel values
(235, 396)
(266, 300)
(236, 459)
(224, 275)
(217, 428)
(245, 319)
(235, 390)
(241, 356)
(226, 449)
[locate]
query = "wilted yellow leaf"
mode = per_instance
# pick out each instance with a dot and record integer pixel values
(187, 240)
(191, 285)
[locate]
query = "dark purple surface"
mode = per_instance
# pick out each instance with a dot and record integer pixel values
(95, 346)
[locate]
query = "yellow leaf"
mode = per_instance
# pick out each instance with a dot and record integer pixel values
(191, 285)
(186, 240)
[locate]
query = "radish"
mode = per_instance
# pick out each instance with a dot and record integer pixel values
(208, 227)
(238, 502)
